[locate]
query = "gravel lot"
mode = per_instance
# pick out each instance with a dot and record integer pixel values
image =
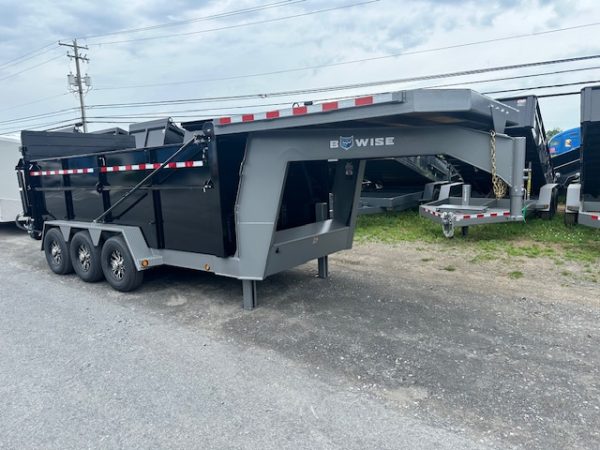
(393, 351)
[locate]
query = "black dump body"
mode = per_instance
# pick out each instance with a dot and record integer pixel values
(187, 208)
(531, 127)
(590, 137)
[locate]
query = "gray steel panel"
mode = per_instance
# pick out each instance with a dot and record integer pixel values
(440, 104)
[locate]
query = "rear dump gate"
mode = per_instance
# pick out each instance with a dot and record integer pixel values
(251, 195)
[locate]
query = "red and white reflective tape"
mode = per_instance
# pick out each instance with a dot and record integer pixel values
(39, 173)
(151, 166)
(308, 109)
(459, 217)
(595, 217)
(483, 216)
(125, 168)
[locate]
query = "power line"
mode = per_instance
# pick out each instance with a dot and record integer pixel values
(73, 121)
(39, 116)
(277, 19)
(516, 77)
(354, 61)
(34, 101)
(344, 87)
(178, 113)
(29, 55)
(548, 86)
(30, 68)
(559, 94)
(289, 93)
(199, 19)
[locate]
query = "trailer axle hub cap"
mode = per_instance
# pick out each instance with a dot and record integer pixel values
(117, 264)
(56, 252)
(85, 258)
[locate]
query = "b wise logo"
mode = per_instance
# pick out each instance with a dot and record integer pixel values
(347, 142)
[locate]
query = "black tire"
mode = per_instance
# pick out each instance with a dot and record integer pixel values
(570, 219)
(464, 231)
(546, 215)
(85, 258)
(57, 252)
(118, 266)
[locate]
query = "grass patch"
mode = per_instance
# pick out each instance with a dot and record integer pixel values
(516, 274)
(535, 239)
(449, 268)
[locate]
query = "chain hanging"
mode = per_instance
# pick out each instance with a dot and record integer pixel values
(499, 186)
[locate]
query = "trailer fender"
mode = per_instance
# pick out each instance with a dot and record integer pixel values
(143, 256)
(573, 202)
(547, 198)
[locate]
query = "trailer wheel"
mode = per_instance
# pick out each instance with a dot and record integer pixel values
(57, 252)
(464, 231)
(85, 258)
(118, 266)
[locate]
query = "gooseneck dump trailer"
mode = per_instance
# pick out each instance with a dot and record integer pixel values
(246, 196)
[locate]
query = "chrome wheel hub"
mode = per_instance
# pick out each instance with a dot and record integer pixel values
(56, 252)
(85, 257)
(117, 264)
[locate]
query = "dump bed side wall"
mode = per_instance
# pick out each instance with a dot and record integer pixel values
(590, 136)
(180, 209)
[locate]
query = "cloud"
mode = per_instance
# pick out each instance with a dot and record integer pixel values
(359, 32)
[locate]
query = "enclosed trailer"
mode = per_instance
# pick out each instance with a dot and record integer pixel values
(483, 197)
(246, 196)
(10, 203)
(583, 198)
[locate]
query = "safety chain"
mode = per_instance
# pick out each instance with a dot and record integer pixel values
(500, 187)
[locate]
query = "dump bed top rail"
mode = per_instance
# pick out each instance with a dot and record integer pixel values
(419, 107)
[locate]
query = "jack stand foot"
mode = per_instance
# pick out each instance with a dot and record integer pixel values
(323, 267)
(249, 290)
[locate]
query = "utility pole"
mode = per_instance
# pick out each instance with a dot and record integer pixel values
(76, 81)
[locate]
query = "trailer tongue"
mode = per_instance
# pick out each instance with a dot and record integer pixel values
(251, 195)
(485, 196)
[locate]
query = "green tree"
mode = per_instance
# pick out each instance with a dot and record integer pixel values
(553, 132)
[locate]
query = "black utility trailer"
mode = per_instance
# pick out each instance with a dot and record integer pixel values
(583, 198)
(245, 196)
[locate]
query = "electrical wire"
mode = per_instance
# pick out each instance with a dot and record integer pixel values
(27, 56)
(30, 68)
(342, 87)
(198, 19)
(228, 27)
(39, 116)
(516, 77)
(44, 99)
(67, 122)
(354, 61)
(548, 86)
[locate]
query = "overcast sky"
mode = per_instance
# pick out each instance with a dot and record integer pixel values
(289, 35)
